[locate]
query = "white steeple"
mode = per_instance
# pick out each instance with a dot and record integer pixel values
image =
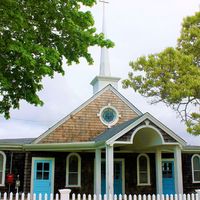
(104, 78)
(104, 59)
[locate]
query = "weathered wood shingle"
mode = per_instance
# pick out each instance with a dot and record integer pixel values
(85, 125)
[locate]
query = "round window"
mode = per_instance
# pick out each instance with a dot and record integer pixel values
(108, 115)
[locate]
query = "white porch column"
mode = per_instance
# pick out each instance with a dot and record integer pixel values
(178, 170)
(109, 170)
(159, 188)
(97, 172)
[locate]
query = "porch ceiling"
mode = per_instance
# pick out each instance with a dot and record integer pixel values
(144, 139)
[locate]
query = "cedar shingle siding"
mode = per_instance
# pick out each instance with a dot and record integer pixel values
(85, 124)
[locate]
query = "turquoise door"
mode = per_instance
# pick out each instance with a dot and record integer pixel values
(168, 177)
(117, 177)
(42, 178)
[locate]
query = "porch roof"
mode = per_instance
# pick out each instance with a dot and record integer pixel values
(110, 132)
(17, 141)
(191, 148)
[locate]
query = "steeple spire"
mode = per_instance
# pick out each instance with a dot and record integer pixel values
(104, 59)
(104, 78)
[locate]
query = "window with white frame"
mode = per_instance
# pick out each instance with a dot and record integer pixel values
(143, 170)
(2, 167)
(196, 168)
(73, 172)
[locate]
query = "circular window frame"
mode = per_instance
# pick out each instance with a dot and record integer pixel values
(108, 124)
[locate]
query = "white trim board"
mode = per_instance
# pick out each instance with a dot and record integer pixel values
(3, 168)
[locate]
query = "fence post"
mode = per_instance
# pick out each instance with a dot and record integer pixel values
(198, 192)
(64, 194)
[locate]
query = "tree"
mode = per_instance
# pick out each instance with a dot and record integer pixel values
(35, 36)
(173, 75)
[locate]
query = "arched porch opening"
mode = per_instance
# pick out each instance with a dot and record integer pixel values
(146, 137)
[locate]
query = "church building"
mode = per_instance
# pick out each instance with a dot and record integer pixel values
(105, 146)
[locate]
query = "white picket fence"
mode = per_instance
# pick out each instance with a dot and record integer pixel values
(22, 196)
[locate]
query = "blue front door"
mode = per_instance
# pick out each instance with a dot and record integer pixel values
(42, 176)
(117, 177)
(168, 177)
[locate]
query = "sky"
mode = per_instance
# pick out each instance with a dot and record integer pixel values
(137, 27)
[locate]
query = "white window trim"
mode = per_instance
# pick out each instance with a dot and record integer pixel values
(103, 121)
(138, 170)
(3, 169)
(193, 181)
(79, 170)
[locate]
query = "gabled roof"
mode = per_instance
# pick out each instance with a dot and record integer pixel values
(111, 135)
(108, 87)
(17, 141)
(110, 132)
(15, 144)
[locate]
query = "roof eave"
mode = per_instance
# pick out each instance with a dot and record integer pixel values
(16, 147)
(191, 149)
(60, 146)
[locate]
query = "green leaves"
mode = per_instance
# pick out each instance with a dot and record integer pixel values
(34, 37)
(173, 75)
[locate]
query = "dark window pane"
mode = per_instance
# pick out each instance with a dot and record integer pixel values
(197, 176)
(73, 164)
(196, 163)
(39, 166)
(39, 175)
(46, 166)
(46, 175)
(143, 170)
(143, 177)
(73, 178)
(1, 174)
(109, 115)
(143, 163)
(167, 170)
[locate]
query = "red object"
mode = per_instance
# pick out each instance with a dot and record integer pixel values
(10, 178)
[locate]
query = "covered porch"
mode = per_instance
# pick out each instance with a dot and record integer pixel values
(158, 155)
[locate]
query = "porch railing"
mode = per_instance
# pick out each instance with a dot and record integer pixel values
(23, 196)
